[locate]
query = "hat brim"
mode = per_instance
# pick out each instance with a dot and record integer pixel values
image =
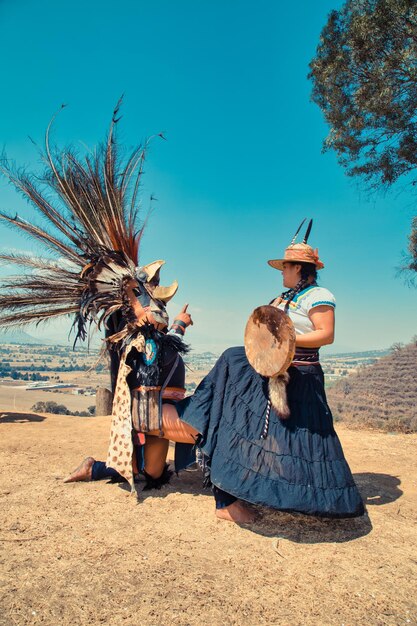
(278, 264)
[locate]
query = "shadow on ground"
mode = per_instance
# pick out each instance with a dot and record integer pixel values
(277, 524)
(20, 418)
(375, 489)
(189, 482)
(378, 488)
(309, 529)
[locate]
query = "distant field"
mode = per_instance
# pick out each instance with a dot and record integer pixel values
(13, 394)
(51, 362)
(56, 363)
(16, 398)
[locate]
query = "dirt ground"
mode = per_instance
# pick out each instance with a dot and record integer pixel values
(90, 553)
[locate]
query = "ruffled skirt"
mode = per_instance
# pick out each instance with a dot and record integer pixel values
(299, 466)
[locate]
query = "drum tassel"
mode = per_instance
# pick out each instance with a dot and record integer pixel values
(278, 394)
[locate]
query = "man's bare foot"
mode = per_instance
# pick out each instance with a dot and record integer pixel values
(237, 512)
(83, 471)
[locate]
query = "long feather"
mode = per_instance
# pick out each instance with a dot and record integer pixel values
(308, 231)
(90, 206)
(297, 231)
(36, 263)
(51, 242)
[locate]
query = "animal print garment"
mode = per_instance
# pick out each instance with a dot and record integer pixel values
(120, 453)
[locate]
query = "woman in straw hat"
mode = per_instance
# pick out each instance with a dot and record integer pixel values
(280, 452)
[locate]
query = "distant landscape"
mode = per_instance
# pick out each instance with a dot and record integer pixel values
(35, 373)
(336, 366)
(382, 395)
(374, 388)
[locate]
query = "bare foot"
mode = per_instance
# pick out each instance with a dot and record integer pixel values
(83, 471)
(237, 512)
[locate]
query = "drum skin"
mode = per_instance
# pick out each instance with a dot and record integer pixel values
(269, 341)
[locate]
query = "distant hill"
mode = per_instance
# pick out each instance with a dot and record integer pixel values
(382, 395)
(20, 337)
(362, 355)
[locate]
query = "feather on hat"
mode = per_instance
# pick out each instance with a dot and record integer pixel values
(299, 252)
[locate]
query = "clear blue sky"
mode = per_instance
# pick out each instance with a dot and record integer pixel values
(226, 80)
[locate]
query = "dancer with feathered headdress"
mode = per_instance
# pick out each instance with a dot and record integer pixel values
(92, 272)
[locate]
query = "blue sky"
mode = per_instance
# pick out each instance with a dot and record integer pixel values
(242, 164)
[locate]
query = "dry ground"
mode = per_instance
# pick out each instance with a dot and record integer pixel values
(91, 554)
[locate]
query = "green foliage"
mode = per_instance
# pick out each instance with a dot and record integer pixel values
(59, 409)
(50, 407)
(15, 374)
(365, 81)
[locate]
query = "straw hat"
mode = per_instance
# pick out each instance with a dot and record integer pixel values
(299, 252)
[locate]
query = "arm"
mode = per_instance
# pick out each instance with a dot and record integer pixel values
(181, 321)
(322, 318)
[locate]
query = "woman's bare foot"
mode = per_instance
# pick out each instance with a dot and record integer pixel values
(237, 512)
(83, 471)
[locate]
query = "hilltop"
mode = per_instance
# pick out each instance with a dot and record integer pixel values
(90, 553)
(382, 395)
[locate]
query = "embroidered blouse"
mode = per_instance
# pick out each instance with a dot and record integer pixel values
(302, 304)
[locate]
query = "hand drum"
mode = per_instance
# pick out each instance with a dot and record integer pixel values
(269, 341)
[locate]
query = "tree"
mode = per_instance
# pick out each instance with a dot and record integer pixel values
(50, 407)
(396, 347)
(365, 81)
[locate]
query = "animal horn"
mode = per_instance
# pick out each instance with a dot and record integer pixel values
(308, 231)
(165, 293)
(298, 230)
(152, 271)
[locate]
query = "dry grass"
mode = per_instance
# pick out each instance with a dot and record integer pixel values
(87, 554)
(382, 395)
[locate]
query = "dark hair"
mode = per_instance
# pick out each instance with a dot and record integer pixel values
(308, 270)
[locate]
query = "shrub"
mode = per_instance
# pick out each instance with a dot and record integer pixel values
(59, 409)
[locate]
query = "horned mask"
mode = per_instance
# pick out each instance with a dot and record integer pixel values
(150, 294)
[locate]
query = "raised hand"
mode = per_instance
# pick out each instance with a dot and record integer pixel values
(183, 316)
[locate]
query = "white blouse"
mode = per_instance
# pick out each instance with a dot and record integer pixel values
(302, 304)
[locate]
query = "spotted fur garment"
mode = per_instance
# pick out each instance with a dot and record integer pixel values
(120, 453)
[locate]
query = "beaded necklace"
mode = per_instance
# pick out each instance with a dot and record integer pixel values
(289, 295)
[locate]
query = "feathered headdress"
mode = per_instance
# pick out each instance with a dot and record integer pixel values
(94, 236)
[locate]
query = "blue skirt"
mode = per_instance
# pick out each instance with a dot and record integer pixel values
(300, 466)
